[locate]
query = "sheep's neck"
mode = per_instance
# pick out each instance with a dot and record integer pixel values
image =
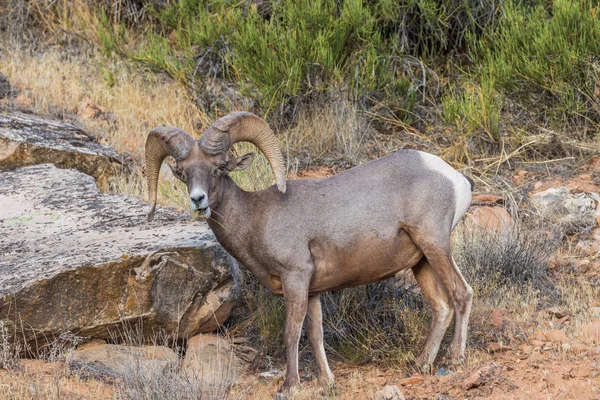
(229, 219)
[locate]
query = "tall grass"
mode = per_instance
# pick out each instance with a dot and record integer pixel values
(546, 55)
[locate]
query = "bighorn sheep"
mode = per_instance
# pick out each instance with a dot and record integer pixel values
(360, 226)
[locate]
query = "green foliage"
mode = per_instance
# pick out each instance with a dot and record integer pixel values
(294, 49)
(547, 56)
(107, 35)
(474, 108)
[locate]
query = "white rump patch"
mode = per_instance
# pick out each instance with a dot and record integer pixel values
(462, 187)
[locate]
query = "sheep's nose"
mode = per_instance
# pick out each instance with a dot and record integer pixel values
(198, 199)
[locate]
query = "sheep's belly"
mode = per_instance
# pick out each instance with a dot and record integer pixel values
(360, 261)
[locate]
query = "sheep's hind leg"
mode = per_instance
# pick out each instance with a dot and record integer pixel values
(461, 322)
(437, 296)
(314, 327)
(295, 294)
(437, 252)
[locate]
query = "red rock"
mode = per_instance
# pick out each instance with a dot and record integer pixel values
(588, 247)
(594, 162)
(525, 349)
(494, 347)
(491, 219)
(497, 318)
(552, 335)
(537, 343)
(556, 312)
(87, 109)
(579, 348)
(582, 266)
(413, 380)
(480, 377)
(591, 332)
(487, 199)
(23, 101)
(520, 177)
(389, 393)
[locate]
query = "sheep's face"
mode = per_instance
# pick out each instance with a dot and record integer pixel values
(204, 175)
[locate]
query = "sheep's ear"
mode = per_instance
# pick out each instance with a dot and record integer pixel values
(176, 172)
(239, 163)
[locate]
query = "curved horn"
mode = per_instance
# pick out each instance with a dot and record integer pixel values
(162, 142)
(244, 126)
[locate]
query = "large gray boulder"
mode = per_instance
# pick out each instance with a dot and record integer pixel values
(75, 260)
(27, 139)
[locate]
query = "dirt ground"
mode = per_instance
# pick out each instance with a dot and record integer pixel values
(554, 374)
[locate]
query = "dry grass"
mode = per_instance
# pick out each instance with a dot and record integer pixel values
(336, 127)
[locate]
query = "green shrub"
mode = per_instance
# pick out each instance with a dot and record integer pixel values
(546, 55)
(293, 49)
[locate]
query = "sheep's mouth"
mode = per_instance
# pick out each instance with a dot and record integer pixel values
(202, 213)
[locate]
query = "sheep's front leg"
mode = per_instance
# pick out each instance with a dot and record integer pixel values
(295, 294)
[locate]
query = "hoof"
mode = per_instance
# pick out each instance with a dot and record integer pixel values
(329, 388)
(420, 366)
(457, 358)
(288, 388)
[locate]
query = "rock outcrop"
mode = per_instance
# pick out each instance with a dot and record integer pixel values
(75, 260)
(27, 139)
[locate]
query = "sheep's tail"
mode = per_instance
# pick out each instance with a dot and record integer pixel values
(470, 182)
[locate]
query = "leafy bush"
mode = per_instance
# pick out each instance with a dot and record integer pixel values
(288, 49)
(547, 55)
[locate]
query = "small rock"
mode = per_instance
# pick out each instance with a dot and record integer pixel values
(520, 177)
(497, 318)
(413, 380)
(537, 343)
(588, 247)
(270, 376)
(211, 358)
(480, 377)
(594, 162)
(556, 312)
(389, 392)
(526, 349)
(491, 219)
(23, 101)
(582, 266)
(591, 332)
(443, 372)
(87, 109)
(579, 348)
(566, 207)
(494, 347)
(487, 199)
(552, 335)
(114, 361)
(566, 320)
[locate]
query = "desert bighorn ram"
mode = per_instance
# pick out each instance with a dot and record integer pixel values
(360, 226)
